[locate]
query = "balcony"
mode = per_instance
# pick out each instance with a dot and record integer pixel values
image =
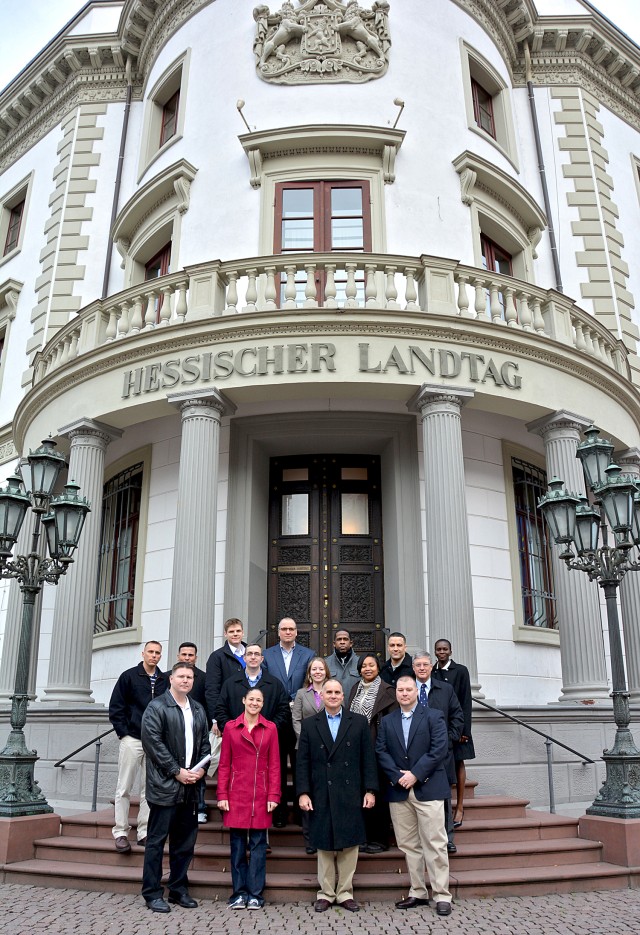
(404, 287)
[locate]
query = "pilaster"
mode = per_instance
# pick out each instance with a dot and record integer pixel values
(71, 639)
(447, 532)
(194, 557)
(584, 674)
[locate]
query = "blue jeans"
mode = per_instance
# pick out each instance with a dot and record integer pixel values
(248, 876)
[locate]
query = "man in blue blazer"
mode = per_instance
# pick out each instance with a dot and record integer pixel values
(288, 662)
(412, 748)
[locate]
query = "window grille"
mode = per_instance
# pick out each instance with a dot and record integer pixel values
(534, 549)
(118, 550)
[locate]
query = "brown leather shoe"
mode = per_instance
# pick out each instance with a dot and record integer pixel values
(321, 905)
(350, 905)
(122, 844)
(411, 902)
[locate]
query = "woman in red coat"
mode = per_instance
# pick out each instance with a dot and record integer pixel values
(248, 791)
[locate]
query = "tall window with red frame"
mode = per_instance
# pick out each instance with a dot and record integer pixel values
(159, 265)
(13, 228)
(170, 118)
(497, 260)
(323, 217)
(483, 108)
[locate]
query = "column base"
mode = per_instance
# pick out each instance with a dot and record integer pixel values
(620, 838)
(63, 696)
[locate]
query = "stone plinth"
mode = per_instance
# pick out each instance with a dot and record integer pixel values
(620, 838)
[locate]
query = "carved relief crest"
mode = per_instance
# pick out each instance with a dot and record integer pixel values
(322, 41)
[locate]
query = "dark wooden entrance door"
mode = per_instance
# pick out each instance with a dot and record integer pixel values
(325, 549)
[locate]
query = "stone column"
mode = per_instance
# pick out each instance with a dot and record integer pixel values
(13, 621)
(629, 461)
(69, 679)
(584, 673)
(448, 560)
(194, 557)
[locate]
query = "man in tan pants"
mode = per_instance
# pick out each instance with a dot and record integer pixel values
(133, 691)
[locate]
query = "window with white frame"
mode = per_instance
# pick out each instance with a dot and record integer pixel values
(164, 114)
(487, 102)
(13, 212)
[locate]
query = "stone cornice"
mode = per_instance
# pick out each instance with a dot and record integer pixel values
(138, 349)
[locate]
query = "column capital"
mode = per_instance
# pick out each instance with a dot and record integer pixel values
(628, 460)
(560, 420)
(194, 402)
(430, 393)
(90, 428)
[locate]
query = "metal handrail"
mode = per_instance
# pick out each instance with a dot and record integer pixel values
(98, 742)
(548, 741)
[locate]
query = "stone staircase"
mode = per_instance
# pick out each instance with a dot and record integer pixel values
(504, 848)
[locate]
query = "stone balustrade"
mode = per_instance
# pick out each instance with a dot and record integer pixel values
(340, 281)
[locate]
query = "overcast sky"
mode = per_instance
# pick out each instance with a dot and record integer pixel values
(26, 26)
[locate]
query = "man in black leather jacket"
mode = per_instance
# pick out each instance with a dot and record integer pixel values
(175, 737)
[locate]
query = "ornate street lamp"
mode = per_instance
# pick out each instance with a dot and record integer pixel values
(619, 498)
(19, 790)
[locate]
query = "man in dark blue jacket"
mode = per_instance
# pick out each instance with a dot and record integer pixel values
(412, 747)
(133, 691)
(175, 737)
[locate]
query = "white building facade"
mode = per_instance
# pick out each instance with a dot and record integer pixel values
(290, 288)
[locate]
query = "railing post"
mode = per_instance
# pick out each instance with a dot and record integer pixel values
(96, 768)
(552, 796)
(330, 291)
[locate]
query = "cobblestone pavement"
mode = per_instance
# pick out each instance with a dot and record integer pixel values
(31, 910)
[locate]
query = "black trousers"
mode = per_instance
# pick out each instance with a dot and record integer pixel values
(179, 823)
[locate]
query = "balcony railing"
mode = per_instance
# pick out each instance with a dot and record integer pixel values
(332, 281)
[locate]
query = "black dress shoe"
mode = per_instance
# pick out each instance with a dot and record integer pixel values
(411, 902)
(184, 900)
(350, 905)
(311, 850)
(443, 909)
(375, 848)
(158, 905)
(451, 848)
(321, 905)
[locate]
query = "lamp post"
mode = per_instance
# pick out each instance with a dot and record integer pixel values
(574, 524)
(63, 522)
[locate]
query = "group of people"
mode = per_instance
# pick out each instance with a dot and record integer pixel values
(370, 746)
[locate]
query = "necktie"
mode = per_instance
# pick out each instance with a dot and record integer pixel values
(424, 701)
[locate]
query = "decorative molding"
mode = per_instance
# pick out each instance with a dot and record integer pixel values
(309, 139)
(174, 182)
(477, 174)
(322, 41)
(8, 451)
(9, 294)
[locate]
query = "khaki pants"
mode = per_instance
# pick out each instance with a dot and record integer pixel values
(422, 838)
(131, 761)
(345, 862)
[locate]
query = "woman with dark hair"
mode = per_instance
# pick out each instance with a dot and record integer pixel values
(374, 699)
(457, 676)
(248, 792)
(309, 701)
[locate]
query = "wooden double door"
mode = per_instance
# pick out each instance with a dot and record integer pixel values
(325, 549)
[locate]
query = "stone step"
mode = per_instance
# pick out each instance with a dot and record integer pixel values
(285, 888)
(215, 857)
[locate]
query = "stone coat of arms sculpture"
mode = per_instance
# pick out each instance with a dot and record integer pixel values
(322, 41)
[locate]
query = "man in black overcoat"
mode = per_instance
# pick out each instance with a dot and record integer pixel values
(336, 777)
